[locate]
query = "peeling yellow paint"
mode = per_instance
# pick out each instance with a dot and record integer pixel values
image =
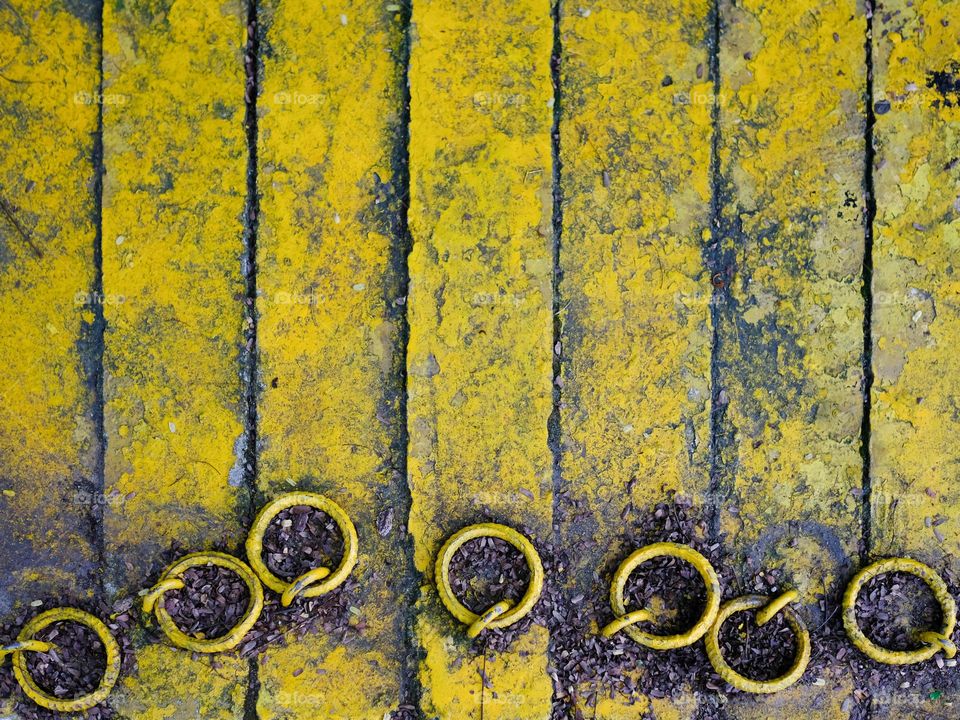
(636, 135)
(313, 677)
(790, 330)
(915, 323)
(915, 508)
(174, 191)
(635, 151)
(204, 686)
(479, 357)
(636, 327)
(830, 696)
(515, 687)
(48, 70)
(326, 340)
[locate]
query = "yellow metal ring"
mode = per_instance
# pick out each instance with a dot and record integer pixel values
(26, 643)
(502, 613)
(766, 608)
(626, 621)
(171, 580)
(317, 581)
(933, 640)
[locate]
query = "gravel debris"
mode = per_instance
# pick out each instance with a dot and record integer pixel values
(76, 665)
(485, 571)
(758, 652)
(891, 608)
(211, 602)
(583, 665)
(299, 539)
(586, 666)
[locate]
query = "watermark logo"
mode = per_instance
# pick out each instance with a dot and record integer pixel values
(486, 99)
(86, 498)
(294, 700)
(492, 299)
(297, 97)
(97, 298)
(289, 298)
(85, 98)
(699, 97)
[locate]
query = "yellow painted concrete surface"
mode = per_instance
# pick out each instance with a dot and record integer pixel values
(790, 314)
(479, 358)
(915, 285)
(791, 317)
(635, 149)
(688, 283)
(915, 504)
(48, 75)
(173, 199)
(328, 330)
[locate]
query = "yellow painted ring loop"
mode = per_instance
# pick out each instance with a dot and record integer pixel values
(39, 695)
(741, 682)
(317, 586)
(900, 657)
(208, 645)
(483, 622)
(27, 645)
(492, 620)
(668, 549)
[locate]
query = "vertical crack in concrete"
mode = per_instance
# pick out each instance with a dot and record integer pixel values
(95, 334)
(249, 356)
(396, 291)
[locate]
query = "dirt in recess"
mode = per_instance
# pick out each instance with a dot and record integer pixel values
(759, 652)
(211, 603)
(893, 607)
(301, 538)
(485, 571)
(76, 666)
(672, 588)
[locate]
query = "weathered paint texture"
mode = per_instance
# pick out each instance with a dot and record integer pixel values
(48, 444)
(915, 502)
(328, 334)
(917, 235)
(173, 246)
(820, 697)
(480, 311)
(635, 149)
(667, 261)
(790, 309)
(789, 304)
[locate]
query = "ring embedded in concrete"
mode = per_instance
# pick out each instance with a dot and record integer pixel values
(26, 643)
(934, 641)
(626, 621)
(172, 580)
(317, 581)
(503, 613)
(766, 609)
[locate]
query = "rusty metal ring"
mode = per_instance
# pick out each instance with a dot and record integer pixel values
(172, 580)
(766, 609)
(934, 641)
(317, 581)
(26, 642)
(503, 613)
(627, 621)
